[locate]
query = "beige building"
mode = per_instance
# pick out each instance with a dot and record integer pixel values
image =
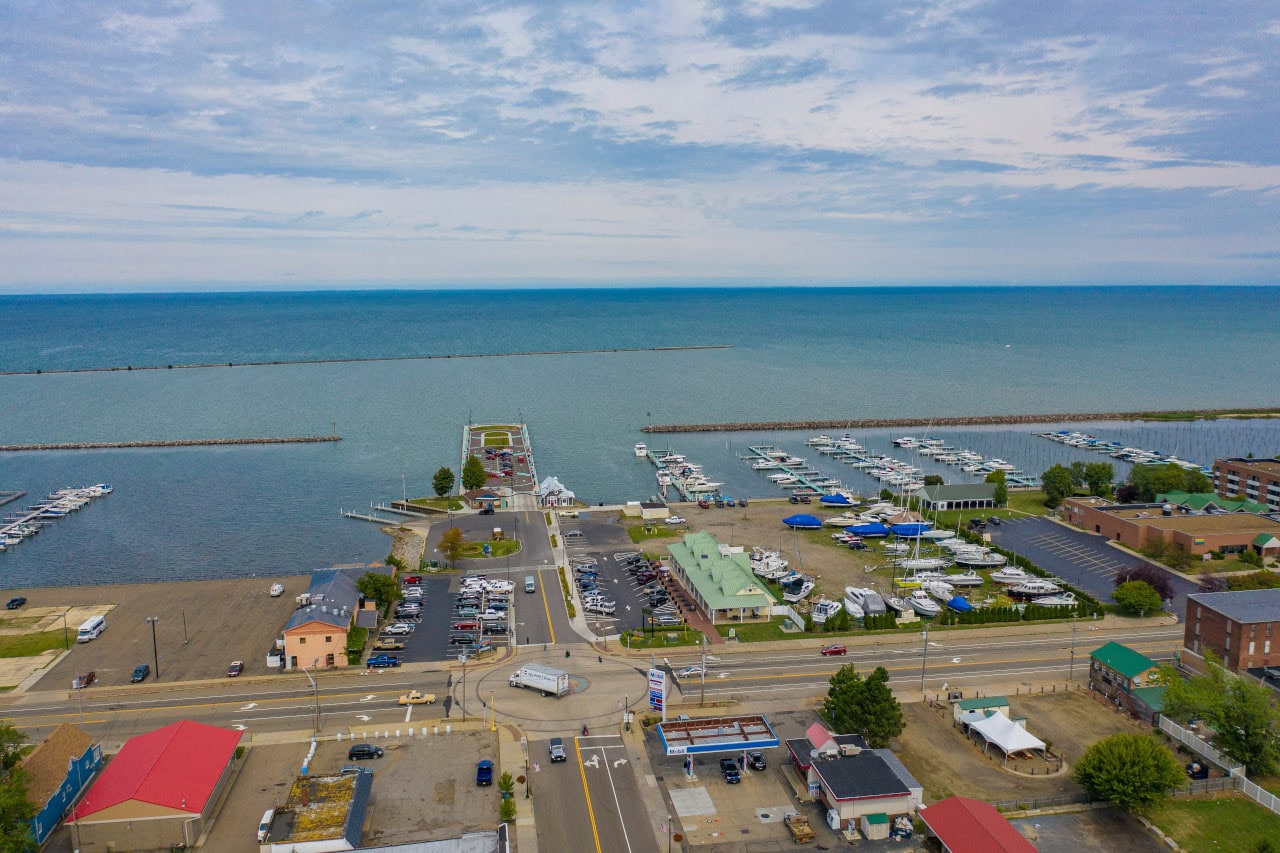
(316, 634)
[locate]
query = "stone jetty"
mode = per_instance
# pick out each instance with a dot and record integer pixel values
(193, 442)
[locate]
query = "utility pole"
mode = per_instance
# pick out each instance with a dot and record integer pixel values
(463, 702)
(702, 694)
(184, 626)
(155, 651)
(1071, 673)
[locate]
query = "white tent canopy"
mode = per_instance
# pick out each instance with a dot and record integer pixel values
(1009, 736)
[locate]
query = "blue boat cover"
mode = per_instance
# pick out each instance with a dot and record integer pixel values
(875, 528)
(959, 604)
(805, 522)
(914, 529)
(835, 500)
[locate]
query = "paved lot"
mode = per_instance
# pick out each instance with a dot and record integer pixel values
(604, 537)
(528, 527)
(1095, 829)
(224, 621)
(1080, 558)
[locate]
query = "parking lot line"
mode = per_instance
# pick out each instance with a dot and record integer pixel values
(586, 792)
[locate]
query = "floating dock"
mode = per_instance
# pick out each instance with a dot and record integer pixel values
(807, 481)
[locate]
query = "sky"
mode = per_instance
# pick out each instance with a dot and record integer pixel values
(227, 145)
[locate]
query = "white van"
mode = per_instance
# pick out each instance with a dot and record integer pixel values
(529, 584)
(91, 629)
(264, 826)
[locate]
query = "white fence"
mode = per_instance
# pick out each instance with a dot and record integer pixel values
(1258, 794)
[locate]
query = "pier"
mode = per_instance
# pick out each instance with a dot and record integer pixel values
(10, 497)
(33, 519)
(507, 454)
(804, 480)
(193, 442)
(347, 513)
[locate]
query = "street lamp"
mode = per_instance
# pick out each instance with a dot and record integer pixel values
(155, 650)
(66, 635)
(463, 701)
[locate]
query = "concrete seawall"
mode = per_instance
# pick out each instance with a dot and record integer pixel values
(972, 420)
(194, 442)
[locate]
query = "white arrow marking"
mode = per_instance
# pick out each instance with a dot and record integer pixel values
(239, 727)
(593, 761)
(722, 675)
(368, 698)
(249, 707)
(364, 718)
(955, 660)
(619, 762)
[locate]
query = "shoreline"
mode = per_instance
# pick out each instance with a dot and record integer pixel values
(968, 420)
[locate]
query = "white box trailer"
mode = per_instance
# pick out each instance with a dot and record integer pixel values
(547, 679)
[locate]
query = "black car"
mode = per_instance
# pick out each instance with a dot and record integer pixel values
(361, 751)
(794, 499)
(495, 628)
(729, 770)
(140, 673)
(755, 760)
(995, 519)
(15, 602)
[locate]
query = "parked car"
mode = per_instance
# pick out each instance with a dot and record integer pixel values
(484, 773)
(16, 602)
(703, 503)
(995, 519)
(398, 629)
(140, 673)
(465, 625)
(794, 499)
(383, 661)
(805, 499)
(411, 579)
(83, 680)
(556, 748)
(361, 751)
(743, 503)
(388, 644)
(755, 760)
(675, 519)
(834, 649)
(237, 667)
(729, 770)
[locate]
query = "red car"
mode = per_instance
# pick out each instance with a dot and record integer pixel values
(836, 649)
(466, 625)
(703, 503)
(237, 667)
(413, 579)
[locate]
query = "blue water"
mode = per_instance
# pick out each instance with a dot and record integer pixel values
(796, 353)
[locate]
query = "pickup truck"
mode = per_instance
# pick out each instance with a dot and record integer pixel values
(383, 661)
(388, 644)
(799, 827)
(413, 697)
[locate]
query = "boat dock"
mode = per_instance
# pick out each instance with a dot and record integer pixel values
(10, 497)
(29, 522)
(687, 478)
(800, 479)
(507, 455)
(347, 513)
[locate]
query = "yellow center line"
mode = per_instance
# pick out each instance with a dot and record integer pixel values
(542, 586)
(595, 833)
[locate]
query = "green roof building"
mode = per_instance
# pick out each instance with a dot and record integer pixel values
(1210, 502)
(987, 704)
(719, 579)
(1115, 669)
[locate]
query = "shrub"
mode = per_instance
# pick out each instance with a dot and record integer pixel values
(1137, 598)
(507, 811)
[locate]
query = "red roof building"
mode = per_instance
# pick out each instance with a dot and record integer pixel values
(158, 790)
(962, 825)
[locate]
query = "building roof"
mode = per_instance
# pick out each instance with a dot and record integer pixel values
(1152, 697)
(46, 765)
(1235, 522)
(1265, 540)
(323, 808)
(1246, 606)
(1258, 466)
(723, 577)
(482, 495)
(960, 492)
(900, 770)
(175, 767)
(971, 826)
(856, 777)
(334, 596)
(1005, 733)
(1122, 659)
(1201, 501)
(983, 702)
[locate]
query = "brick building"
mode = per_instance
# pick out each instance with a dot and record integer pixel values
(1255, 479)
(1115, 669)
(1239, 627)
(1136, 525)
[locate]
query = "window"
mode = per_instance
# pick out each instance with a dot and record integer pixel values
(1251, 648)
(1266, 647)
(1253, 631)
(302, 641)
(328, 638)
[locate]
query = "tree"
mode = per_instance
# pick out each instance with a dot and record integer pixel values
(1253, 580)
(1137, 598)
(16, 812)
(1057, 485)
(12, 742)
(1243, 714)
(838, 622)
(1127, 493)
(864, 706)
(1213, 583)
(451, 543)
(1098, 477)
(933, 480)
(507, 810)
(1002, 489)
(1153, 480)
(1077, 475)
(886, 494)
(1158, 580)
(1133, 771)
(442, 481)
(381, 588)
(473, 473)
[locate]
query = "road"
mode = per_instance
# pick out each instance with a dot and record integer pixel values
(590, 803)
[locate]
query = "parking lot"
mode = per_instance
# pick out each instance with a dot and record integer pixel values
(1079, 558)
(444, 628)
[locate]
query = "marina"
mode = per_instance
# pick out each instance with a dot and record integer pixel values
(1116, 450)
(790, 473)
(19, 526)
(678, 473)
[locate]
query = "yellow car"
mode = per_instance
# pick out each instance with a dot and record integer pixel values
(413, 697)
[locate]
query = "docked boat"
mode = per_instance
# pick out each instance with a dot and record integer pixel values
(1034, 588)
(916, 564)
(1011, 575)
(825, 608)
(922, 604)
(907, 441)
(969, 578)
(796, 587)
(819, 441)
(768, 564)
(982, 559)
(642, 451)
(1062, 599)
(900, 548)
(765, 464)
(940, 590)
(960, 604)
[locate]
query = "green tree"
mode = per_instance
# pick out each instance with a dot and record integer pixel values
(1077, 475)
(838, 622)
(506, 784)
(1243, 714)
(12, 743)
(451, 543)
(381, 588)
(1153, 480)
(933, 480)
(1253, 580)
(16, 812)
(473, 473)
(442, 481)
(863, 706)
(507, 810)
(842, 698)
(1002, 488)
(1098, 477)
(1133, 771)
(1057, 485)
(886, 494)
(1137, 598)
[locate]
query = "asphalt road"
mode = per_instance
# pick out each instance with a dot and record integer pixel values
(591, 802)
(1080, 558)
(600, 540)
(528, 527)
(539, 617)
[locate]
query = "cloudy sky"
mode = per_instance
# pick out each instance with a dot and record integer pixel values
(171, 145)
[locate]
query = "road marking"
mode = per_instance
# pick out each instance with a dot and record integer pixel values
(593, 762)
(408, 712)
(364, 718)
(238, 727)
(618, 806)
(619, 762)
(249, 707)
(369, 698)
(591, 812)
(542, 587)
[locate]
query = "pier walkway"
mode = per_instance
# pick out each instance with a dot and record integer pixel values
(804, 480)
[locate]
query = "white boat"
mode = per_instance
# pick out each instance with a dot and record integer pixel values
(841, 520)
(915, 564)
(642, 451)
(937, 535)
(765, 464)
(899, 604)
(979, 559)
(1061, 599)
(922, 604)
(870, 602)
(797, 588)
(824, 609)
(969, 578)
(907, 441)
(1034, 588)
(853, 606)
(819, 441)
(1011, 575)
(768, 564)
(940, 590)
(900, 548)
(671, 457)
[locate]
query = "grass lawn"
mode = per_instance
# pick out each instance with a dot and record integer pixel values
(760, 632)
(641, 532)
(661, 639)
(1232, 822)
(442, 504)
(500, 548)
(29, 645)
